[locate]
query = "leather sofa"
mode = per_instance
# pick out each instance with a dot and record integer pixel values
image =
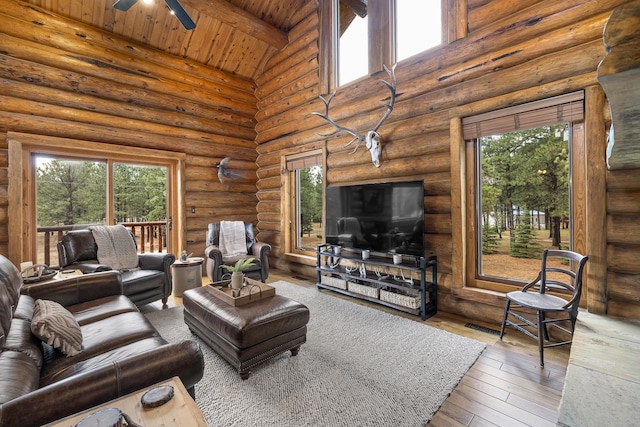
(255, 249)
(121, 351)
(77, 250)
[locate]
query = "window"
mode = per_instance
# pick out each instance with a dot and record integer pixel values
(352, 52)
(418, 26)
(381, 32)
(95, 197)
(521, 187)
(73, 192)
(305, 208)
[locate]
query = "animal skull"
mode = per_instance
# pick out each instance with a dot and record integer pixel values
(373, 145)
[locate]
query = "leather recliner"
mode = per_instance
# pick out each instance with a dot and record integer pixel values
(151, 282)
(255, 249)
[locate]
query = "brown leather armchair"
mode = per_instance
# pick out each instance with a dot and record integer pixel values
(152, 281)
(255, 249)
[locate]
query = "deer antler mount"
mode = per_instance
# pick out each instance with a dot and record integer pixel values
(372, 139)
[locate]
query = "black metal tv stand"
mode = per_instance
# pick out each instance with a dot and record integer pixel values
(402, 285)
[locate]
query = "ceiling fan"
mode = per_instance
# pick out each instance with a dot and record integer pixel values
(173, 5)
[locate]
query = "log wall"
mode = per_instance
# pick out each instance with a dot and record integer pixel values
(514, 52)
(62, 78)
(65, 79)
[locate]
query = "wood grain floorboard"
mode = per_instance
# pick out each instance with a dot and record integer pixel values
(506, 387)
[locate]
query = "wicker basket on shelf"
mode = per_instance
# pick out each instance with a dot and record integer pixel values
(409, 301)
(336, 282)
(369, 291)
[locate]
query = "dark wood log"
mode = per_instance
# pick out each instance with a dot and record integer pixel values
(223, 122)
(437, 204)
(102, 68)
(269, 194)
(269, 172)
(626, 202)
(299, 69)
(45, 110)
(303, 41)
(624, 286)
(60, 128)
(490, 12)
(388, 168)
(623, 180)
(623, 229)
(623, 258)
(28, 72)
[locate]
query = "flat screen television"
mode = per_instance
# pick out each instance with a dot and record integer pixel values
(385, 217)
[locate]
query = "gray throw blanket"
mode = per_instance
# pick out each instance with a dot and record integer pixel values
(116, 247)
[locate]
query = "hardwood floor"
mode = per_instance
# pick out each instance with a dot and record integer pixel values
(505, 387)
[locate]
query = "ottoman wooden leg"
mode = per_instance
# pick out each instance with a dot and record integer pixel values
(294, 351)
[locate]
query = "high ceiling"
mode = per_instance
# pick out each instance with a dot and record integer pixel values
(237, 36)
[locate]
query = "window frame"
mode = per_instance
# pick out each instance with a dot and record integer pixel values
(290, 201)
(382, 37)
(22, 151)
(471, 278)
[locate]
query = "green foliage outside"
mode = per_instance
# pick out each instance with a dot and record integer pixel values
(75, 192)
(489, 239)
(310, 198)
(524, 171)
(523, 240)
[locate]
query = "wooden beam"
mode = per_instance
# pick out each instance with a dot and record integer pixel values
(241, 20)
(359, 7)
(596, 192)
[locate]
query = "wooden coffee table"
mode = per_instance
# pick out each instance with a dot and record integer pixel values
(181, 410)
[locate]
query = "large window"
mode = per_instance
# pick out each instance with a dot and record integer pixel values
(370, 34)
(305, 202)
(74, 192)
(521, 187)
(523, 199)
(59, 183)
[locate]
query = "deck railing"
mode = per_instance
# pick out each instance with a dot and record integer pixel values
(150, 237)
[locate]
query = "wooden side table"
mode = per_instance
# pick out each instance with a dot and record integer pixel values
(181, 410)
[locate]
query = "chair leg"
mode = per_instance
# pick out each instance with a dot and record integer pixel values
(504, 319)
(541, 333)
(545, 329)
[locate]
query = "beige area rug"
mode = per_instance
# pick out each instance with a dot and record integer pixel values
(359, 367)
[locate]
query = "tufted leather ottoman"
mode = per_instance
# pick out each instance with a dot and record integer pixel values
(249, 334)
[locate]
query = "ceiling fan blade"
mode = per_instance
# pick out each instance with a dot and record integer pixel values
(124, 5)
(181, 14)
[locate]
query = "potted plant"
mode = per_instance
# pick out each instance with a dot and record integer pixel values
(237, 275)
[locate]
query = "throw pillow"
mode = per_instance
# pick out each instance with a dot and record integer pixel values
(56, 326)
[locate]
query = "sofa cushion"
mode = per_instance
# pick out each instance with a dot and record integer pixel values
(79, 245)
(21, 339)
(101, 308)
(137, 281)
(19, 375)
(53, 374)
(24, 309)
(56, 326)
(99, 337)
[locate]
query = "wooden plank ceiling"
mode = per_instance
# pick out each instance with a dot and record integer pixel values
(237, 36)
